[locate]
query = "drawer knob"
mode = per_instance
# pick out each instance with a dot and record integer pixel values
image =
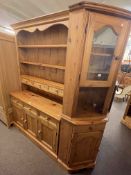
(25, 121)
(39, 132)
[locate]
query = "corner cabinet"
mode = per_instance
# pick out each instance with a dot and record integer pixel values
(68, 64)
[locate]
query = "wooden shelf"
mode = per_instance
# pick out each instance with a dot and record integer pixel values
(42, 84)
(44, 46)
(101, 54)
(100, 72)
(42, 104)
(43, 65)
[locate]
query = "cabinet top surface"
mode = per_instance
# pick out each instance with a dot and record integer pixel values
(102, 8)
(64, 15)
(41, 20)
(42, 104)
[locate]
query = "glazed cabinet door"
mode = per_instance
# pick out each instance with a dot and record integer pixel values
(103, 50)
(30, 120)
(84, 147)
(18, 113)
(48, 132)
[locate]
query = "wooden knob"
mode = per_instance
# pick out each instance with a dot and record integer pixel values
(117, 58)
(25, 121)
(39, 131)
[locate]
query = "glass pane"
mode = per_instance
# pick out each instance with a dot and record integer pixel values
(104, 43)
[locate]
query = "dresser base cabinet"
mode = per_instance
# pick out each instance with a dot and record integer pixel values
(37, 124)
(36, 141)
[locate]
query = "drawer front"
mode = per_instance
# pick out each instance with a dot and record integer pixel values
(53, 90)
(23, 80)
(30, 110)
(17, 103)
(45, 87)
(89, 128)
(48, 131)
(28, 82)
(60, 93)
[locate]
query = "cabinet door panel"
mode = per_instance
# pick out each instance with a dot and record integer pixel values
(30, 120)
(48, 132)
(18, 115)
(103, 47)
(84, 147)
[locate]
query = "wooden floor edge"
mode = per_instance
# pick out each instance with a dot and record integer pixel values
(76, 169)
(37, 142)
(125, 123)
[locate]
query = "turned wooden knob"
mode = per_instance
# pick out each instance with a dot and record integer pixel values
(25, 121)
(39, 132)
(117, 58)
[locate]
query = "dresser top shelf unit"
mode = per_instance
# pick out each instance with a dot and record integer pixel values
(43, 65)
(42, 104)
(42, 58)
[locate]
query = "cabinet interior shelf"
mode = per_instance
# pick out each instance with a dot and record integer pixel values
(98, 72)
(43, 65)
(101, 54)
(44, 46)
(42, 104)
(44, 85)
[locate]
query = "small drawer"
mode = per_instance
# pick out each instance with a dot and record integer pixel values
(14, 100)
(20, 104)
(53, 90)
(45, 87)
(37, 85)
(60, 93)
(25, 81)
(89, 128)
(31, 83)
(29, 110)
(44, 116)
(48, 121)
(17, 103)
(34, 111)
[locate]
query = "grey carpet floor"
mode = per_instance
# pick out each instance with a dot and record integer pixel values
(19, 156)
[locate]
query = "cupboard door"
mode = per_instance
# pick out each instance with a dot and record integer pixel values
(30, 120)
(48, 132)
(84, 147)
(18, 115)
(103, 50)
